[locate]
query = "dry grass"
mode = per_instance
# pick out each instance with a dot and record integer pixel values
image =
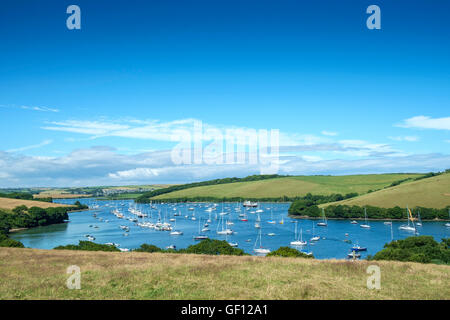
(60, 195)
(41, 274)
(7, 203)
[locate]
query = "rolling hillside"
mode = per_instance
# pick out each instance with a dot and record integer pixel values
(292, 186)
(432, 192)
(41, 274)
(8, 203)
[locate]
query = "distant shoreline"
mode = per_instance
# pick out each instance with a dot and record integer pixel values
(359, 219)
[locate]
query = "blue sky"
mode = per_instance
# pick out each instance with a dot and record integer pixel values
(98, 105)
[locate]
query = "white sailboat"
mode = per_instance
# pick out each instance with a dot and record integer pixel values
(323, 223)
(224, 230)
(298, 242)
(271, 221)
(176, 232)
(419, 221)
(261, 250)
(200, 236)
(314, 237)
(365, 225)
(410, 226)
(448, 223)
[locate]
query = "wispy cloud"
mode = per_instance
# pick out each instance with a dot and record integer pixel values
(33, 108)
(34, 146)
(405, 138)
(425, 122)
(329, 133)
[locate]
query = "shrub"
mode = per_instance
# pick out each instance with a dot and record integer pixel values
(88, 246)
(288, 252)
(422, 249)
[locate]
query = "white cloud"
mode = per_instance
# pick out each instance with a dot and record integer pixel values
(34, 146)
(425, 122)
(135, 173)
(43, 109)
(106, 166)
(405, 138)
(329, 133)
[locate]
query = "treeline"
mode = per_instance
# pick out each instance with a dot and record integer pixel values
(423, 249)
(23, 196)
(316, 199)
(355, 212)
(145, 198)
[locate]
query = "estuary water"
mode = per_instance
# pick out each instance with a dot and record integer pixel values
(336, 239)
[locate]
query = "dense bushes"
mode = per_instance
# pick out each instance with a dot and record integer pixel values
(88, 246)
(7, 242)
(145, 198)
(289, 252)
(423, 249)
(207, 246)
(214, 247)
(148, 248)
(352, 212)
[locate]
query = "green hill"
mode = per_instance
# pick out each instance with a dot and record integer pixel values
(432, 192)
(291, 186)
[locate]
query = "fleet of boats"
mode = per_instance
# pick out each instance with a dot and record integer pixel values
(164, 218)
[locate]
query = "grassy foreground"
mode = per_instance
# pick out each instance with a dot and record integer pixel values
(292, 186)
(432, 192)
(41, 274)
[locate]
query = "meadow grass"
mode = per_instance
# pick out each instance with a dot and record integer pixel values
(41, 274)
(292, 186)
(432, 192)
(7, 203)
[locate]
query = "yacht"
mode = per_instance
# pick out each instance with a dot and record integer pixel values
(298, 242)
(365, 225)
(261, 250)
(324, 220)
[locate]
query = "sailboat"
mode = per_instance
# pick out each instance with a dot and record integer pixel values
(261, 249)
(448, 223)
(314, 238)
(282, 220)
(200, 236)
(271, 221)
(298, 242)
(324, 220)
(176, 232)
(258, 222)
(408, 227)
(232, 244)
(366, 223)
(223, 231)
(419, 221)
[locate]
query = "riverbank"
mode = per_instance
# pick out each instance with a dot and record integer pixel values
(41, 274)
(362, 219)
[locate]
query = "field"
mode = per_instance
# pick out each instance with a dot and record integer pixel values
(292, 186)
(60, 195)
(7, 203)
(432, 192)
(41, 274)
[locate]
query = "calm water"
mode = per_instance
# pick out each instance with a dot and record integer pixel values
(331, 244)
